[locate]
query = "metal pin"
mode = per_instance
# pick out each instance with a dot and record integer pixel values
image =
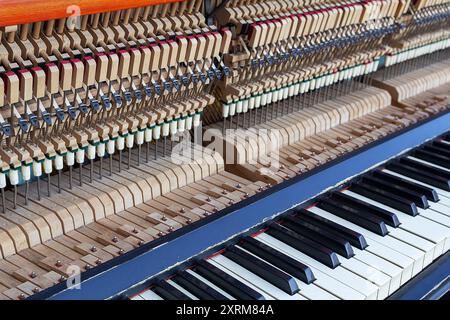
(15, 197)
(91, 171)
(164, 146)
(27, 187)
(110, 164)
(156, 149)
(147, 151)
(38, 188)
(70, 177)
(81, 174)
(48, 184)
(100, 171)
(59, 181)
(3, 201)
(129, 158)
(139, 156)
(120, 160)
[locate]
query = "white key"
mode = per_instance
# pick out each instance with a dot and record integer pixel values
(253, 282)
(440, 207)
(367, 289)
(400, 247)
(436, 216)
(176, 285)
(210, 284)
(393, 271)
(420, 226)
(150, 295)
(309, 291)
(381, 280)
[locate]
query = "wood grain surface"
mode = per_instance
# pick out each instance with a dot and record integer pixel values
(14, 12)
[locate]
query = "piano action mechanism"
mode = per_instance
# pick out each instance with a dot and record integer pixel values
(127, 125)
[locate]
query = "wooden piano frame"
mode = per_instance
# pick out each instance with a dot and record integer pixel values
(13, 12)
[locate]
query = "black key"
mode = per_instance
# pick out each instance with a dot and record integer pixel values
(438, 149)
(332, 242)
(420, 174)
(197, 287)
(364, 220)
(441, 147)
(419, 199)
(278, 259)
(168, 292)
(425, 167)
(431, 194)
(275, 276)
(356, 239)
(305, 245)
(432, 157)
(386, 198)
(226, 282)
(364, 208)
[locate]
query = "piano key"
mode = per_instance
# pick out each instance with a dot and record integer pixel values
(382, 196)
(340, 274)
(182, 290)
(371, 274)
(392, 249)
(198, 288)
(393, 271)
(427, 172)
(278, 259)
(226, 282)
(430, 193)
(430, 156)
(387, 217)
(209, 284)
(169, 292)
(419, 175)
(419, 199)
(311, 248)
(443, 194)
(265, 271)
(252, 280)
(311, 291)
(335, 243)
(371, 223)
(425, 228)
(150, 295)
(417, 240)
(437, 148)
(356, 239)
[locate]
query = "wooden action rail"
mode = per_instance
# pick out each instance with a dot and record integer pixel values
(13, 12)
